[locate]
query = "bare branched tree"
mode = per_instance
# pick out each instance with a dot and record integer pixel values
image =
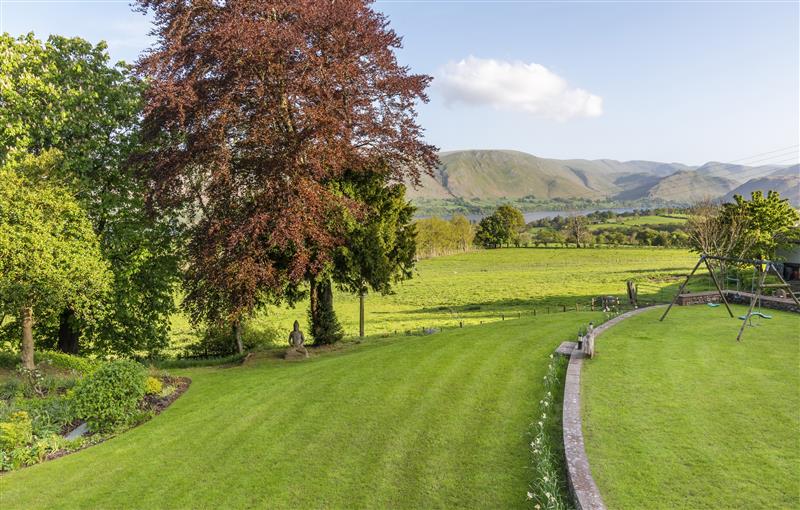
(712, 233)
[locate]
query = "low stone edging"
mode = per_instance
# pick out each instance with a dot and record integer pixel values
(579, 475)
(739, 297)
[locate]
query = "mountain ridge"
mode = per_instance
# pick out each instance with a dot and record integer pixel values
(510, 174)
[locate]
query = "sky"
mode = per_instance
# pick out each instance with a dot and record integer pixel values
(680, 82)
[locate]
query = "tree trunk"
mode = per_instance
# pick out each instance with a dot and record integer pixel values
(237, 333)
(361, 313)
(313, 297)
(68, 336)
(26, 314)
(326, 295)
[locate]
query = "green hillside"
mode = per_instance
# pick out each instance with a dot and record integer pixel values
(496, 174)
(472, 176)
(788, 186)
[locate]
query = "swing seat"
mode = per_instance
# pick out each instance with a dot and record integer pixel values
(713, 305)
(760, 314)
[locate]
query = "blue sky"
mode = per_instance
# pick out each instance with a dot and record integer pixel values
(685, 82)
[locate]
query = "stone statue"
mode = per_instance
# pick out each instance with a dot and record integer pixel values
(297, 341)
(296, 338)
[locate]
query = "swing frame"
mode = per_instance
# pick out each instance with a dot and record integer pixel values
(761, 266)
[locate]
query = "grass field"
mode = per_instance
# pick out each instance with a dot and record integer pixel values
(441, 421)
(677, 414)
(485, 284)
(643, 221)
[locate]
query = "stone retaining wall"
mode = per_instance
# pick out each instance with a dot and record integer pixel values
(742, 298)
(579, 475)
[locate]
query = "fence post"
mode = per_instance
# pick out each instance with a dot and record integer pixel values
(563, 308)
(502, 316)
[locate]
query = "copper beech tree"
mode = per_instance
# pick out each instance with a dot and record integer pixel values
(253, 107)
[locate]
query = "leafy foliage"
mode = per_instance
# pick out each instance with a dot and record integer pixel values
(49, 255)
(218, 339)
(437, 236)
(771, 223)
(255, 107)
(18, 431)
(325, 327)
(153, 386)
(502, 227)
(64, 94)
(380, 238)
(109, 396)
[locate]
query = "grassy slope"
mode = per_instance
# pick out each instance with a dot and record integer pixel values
(482, 285)
(500, 173)
(679, 415)
(440, 421)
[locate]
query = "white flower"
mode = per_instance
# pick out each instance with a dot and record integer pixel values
(551, 356)
(530, 495)
(545, 479)
(548, 495)
(540, 424)
(546, 404)
(544, 416)
(537, 507)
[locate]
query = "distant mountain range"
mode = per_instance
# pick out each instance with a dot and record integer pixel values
(497, 174)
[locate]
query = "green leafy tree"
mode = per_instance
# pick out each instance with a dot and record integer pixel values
(65, 94)
(463, 232)
(380, 246)
(512, 222)
(490, 232)
(49, 255)
(501, 227)
(771, 223)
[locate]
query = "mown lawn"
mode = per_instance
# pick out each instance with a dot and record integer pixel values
(677, 414)
(440, 421)
(485, 284)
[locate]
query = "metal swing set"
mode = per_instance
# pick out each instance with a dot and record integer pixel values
(762, 267)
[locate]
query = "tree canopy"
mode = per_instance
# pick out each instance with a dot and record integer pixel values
(254, 108)
(771, 222)
(49, 255)
(502, 227)
(65, 94)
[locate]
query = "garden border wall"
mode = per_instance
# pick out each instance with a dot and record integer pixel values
(579, 475)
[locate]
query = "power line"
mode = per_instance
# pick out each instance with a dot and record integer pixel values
(764, 153)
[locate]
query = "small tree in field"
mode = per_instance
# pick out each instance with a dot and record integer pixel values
(577, 230)
(712, 233)
(501, 227)
(49, 255)
(380, 247)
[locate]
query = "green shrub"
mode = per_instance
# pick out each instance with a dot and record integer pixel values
(48, 415)
(219, 340)
(8, 359)
(153, 386)
(16, 432)
(60, 360)
(66, 361)
(109, 396)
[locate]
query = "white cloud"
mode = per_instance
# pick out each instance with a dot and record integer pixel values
(516, 86)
